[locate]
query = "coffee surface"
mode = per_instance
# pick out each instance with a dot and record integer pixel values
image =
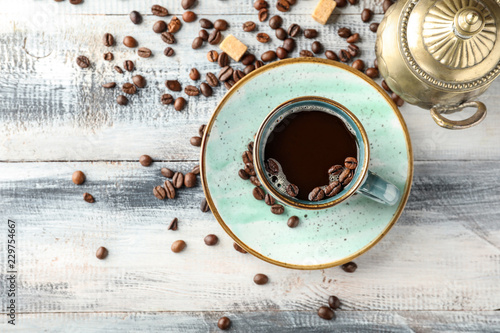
(307, 144)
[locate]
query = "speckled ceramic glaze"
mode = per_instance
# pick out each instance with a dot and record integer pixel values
(326, 237)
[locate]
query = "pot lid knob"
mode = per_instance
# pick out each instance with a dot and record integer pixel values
(468, 22)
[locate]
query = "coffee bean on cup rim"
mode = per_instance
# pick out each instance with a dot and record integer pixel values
(159, 10)
(260, 279)
(78, 177)
(174, 224)
(135, 17)
(349, 267)
(211, 240)
(194, 74)
(178, 246)
(159, 192)
(334, 302)
(166, 172)
(224, 323)
(204, 207)
(122, 100)
(88, 197)
(239, 248)
(325, 312)
(189, 16)
(366, 15)
(83, 61)
(293, 221)
(130, 42)
(101, 253)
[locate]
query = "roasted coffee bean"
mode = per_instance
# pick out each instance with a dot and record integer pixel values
(144, 52)
(191, 91)
(335, 170)
(169, 51)
(101, 253)
(272, 167)
(259, 4)
(178, 246)
(385, 86)
(366, 15)
(281, 34)
(83, 61)
(168, 37)
(250, 146)
(169, 188)
(179, 104)
(206, 90)
(122, 100)
(255, 181)
(195, 141)
(291, 2)
(331, 55)
(250, 169)
(281, 53)
(223, 59)
(196, 170)
(186, 4)
(173, 85)
(316, 194)
(398, 100)
(224, 323)
(221, 25)
(247, 157)
(310, 33)
(293, 221)
(349, 267)
(275, 22)
(238, 75)
(289, 44)
(259, 64)
(129, 88)
(277, 209)
(292, 190)
(269, 200)
(212, 79)
(204, 207)
(353, 2)
(358, 64)
(325, 312)
(354, 38)
(268, 56)
(108, 39)
(258, 193)
(351, 163)
(166, 172)
(249, 26)
(334, 302)
(386, 4)
(372, 72)
(128, 65)
(229, 83)
(211, 240)
(214, 37)
(203, 34)
(201, 129)
(249, 69)
(263, 37)
(139, 81)
(75, 2)
(194, 74)
(160, 193)
(344, 174)
(174, 25)
(225, 73)
(243, 175)
(306, 53)
(108, 56)
(159, 10)
(344, 56)
(130, 41)
(189, 16)
(190, 179)
(260, 279)
(341, 3)
(263, 14)
(135, 17)
(109, 85)
(283, 5)
(294, 30)
(348, 179)
(344, 32)
(333, 189)
(206, 23)
(159, 27)
(317, 47)
(78, 177)
(375, 64)
(248, 59)
(212, 56)
(178, 179)
(197, 43)
(166, 99)
(174, 225)
(374, 27)
(145, 160)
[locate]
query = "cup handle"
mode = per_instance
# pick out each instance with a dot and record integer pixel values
(379, 190)
(438, 111)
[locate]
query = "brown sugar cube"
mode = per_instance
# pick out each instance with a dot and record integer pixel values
(323, 10)
(233, 47)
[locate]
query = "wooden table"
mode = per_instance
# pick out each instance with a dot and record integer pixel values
(437, 270)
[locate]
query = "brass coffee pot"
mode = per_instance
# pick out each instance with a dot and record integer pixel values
(440, 54)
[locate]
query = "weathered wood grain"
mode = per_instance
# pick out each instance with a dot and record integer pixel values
(262, 322)
(443, 254)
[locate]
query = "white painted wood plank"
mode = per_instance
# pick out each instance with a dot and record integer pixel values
(443, 254)
(52, 110)
(290, 321)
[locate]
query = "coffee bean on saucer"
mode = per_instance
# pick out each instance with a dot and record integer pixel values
(247, 157)
(191, 90)
(249, 26)
(174, 224)
(196, 170)
(178, 180)
(333, 189)
(166, 172)
(277, 209)
(316, 194)
(306, 53)
(88, 197)
(83, 61)
(145, 160)
(190, 179)
(259, 4)
(344, 32)
(344, 56)
(197, 43)
(189, 16)
(351, 163)
(214, 37)
(128, 65)
(166, 99)
(275, 22)
(310, 33)
(243, 175)
(250, 169)
(168, 37)
(122, 100)
(386, 4)
(130, 42)
(292, 190)
(206, 90)
(354, 38)
(281, 34)
(283, 5)
(174, 25)
(178, 246)
(331, 55)
(203, 34)
(223, 59)
(101, 253)
(212, 79)
(186, 4)
(317, 47)
(135, 17)
(294, 30)
(260, 279)
(159, 192)
(204, 207)
(211, 240)
(139, 81)
(78, 177)
(108, 56)
(159, 10)
(238, 248)
(268, 56)
(269, 200)
(293, 221)
(129, 88)
(289, 44)
(358, 64)
(325, 312)
(341, 3)
(255, 181)
(349, 267)
(224, 323)
(262, 37)
(334, 302)
(258, 193)
(250, 146)
(398, 100)
(366, 15)
(212, 56)
(372, 72)
(225, 73)
(221, 25)
(263, 14)
(169, 188)
(108, 39)
(168, 51)
(195, 141)
(374, 27)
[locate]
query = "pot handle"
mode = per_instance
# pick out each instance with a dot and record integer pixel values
(438, 111)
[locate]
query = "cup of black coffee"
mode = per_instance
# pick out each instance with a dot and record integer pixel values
(313, 153)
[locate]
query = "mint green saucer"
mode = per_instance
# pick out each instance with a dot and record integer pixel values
(323, 238)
